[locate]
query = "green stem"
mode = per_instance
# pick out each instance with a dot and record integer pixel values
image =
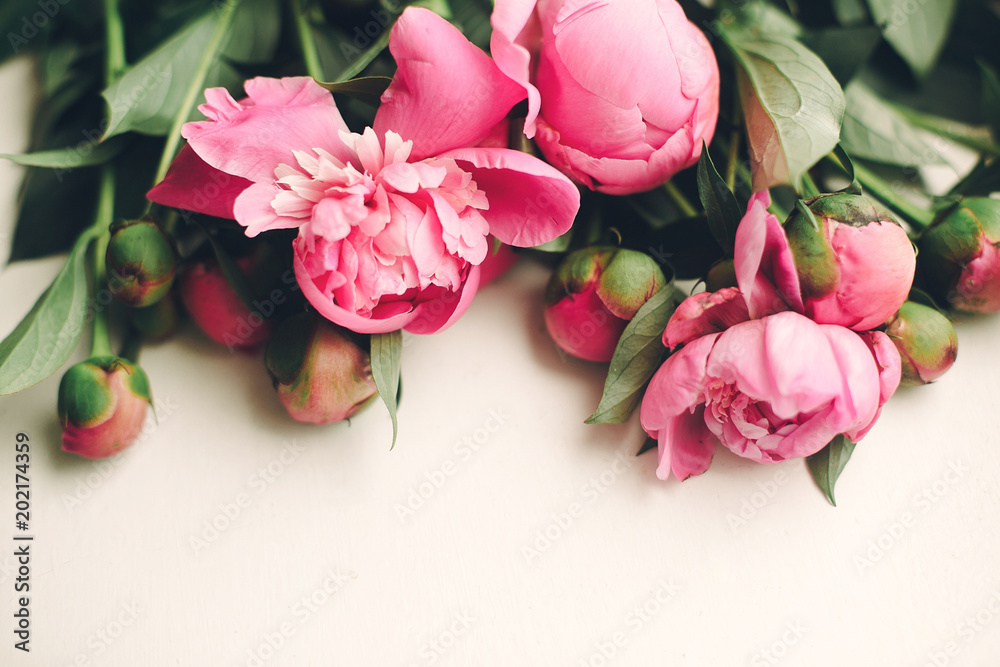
(225, 20)
(114, 31)
(100, 340)
(306, 42)
(132, 346)
(732, 158)
(682, 202)
(918, 217)
(809, 188)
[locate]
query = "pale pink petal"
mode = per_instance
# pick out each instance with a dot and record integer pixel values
(678, 386)
(685, 446)
(193, 185)
(513, 44)
(251, 138)
(530, 202)
(446, 92)
(254, 211)
(765, 267)
(705, 313)
(889, 368)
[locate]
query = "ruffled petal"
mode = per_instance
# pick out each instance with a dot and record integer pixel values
(705, 313)
(513, 44)
(678, 386)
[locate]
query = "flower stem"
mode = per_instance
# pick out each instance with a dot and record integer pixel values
(918, 217)
(809, 188)
(225, 20)
(306, 42)
(682, 202)
(114, 32)
(100, 340)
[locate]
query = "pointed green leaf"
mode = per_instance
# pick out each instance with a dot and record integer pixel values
(990, 95)
(366, 88)
(650, 443)
(792, 106)
(49, 333)
(916, 30)
(827, 464)
(68, 158)
(386, 354)
(719, 203)
(845, 161)
(255, 32)
(638, 355)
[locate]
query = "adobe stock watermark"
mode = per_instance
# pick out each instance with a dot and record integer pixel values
(32, 24)
(303, 610)
(461, 452)
(437, 646)
(752, 504)
(257, 483)
(102, 470)
(779, 648)
(261, 310)
(103, 638)
(590, 492)
(925, 500)
(967, 630)
(643, 613)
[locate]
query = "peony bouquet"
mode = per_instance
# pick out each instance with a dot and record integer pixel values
(735, 198)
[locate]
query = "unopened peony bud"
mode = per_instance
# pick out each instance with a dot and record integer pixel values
(141, 263)
(926, 341)
(219, 311)
(857, 268)
(593, 295)
(960, 257)
(102, 406)
(321, 374)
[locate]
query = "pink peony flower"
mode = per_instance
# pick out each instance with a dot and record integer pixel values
(855, 271)
(769, 389)
(620, 94)
(393, 222)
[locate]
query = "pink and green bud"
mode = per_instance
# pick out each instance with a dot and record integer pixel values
(960, 256)
(926, 341)
(592, 296)
(102, 406)
(219, 311)
(141, 263)
(321, 374)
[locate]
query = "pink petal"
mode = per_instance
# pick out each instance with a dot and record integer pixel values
(705, 313)
(530, 202)
(446, 93)
(685, 446)
(678, 386)
(193, 185)
(889, 371)
(765, 268)
(513, 44)
(251, 138)
(439, 314)
(859, 402)
(253, 210)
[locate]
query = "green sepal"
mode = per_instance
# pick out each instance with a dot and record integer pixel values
(827, 464)
(386, 355)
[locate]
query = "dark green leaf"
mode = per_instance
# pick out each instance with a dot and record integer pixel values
(792, 106)
(719, 203)
(990, 95)
(916, 30)
(233, 274)
(367, 88)
(648, 444)
(386, 354)
(68, 158)
(827, 464)
(845, 161)
(875, 130)
(254, 35)
(638, 355)
(844, 50)
(850, 12)
(49, 333)
(558, 244)
(359, 62)
(473, 19)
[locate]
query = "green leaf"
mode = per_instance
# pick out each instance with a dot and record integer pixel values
(648, 444)
(233, 274)
(916, 30)
(850, 12)
(875, 130)
(362, 60)
(558, 244)
(150, 94)
(848, 165)
(990, 95)
(792, 105)
(49, 333)
(719, 203)
(844, 50)
(386, 353)
(638, 355)
(366, 88)
(473, 18)
(255, 32)
(68, 158)
(827, 464)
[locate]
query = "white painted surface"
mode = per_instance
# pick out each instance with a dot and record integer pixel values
(654, 573)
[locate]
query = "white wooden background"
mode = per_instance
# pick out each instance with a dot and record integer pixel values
(230, 535)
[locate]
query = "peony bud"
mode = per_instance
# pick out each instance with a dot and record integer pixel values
(321, 374)
(218, 310)
(102, 406)
(926, 341)
(593, 295)
(141, 263)
(960, 256)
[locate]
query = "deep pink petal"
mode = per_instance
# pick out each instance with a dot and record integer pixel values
(889, 372)
(530, 202)
(446, 92)
(251, 138)
(685, 446)
(678, 386)
(191, 184)
(705, 313)
(858, 403)
(439, 314)
(765, 267)
(514, 44)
